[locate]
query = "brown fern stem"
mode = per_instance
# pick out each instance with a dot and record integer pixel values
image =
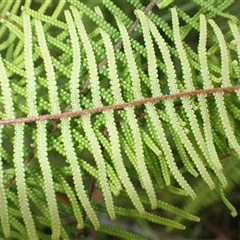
(119, 105)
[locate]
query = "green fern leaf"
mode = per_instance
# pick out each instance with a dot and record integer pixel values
(99, 121)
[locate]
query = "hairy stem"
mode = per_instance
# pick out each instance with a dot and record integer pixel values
(118, 106)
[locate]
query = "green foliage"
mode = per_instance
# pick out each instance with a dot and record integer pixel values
(136, 112)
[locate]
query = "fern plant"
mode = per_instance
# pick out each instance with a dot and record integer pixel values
(125, 109)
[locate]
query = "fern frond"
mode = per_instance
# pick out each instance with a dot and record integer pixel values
(20, 181)
(130, 108)
(44, 18)
(76, 62)
(3, 203)
(228, 204)
(52, 87)
(48, 179)
(72, 159)
(31, 80)
(118, 232)
(73, 200)
(236, 34)
(6, 91)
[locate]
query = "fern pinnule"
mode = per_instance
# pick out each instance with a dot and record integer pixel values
(72, 199)
(96, 151)
(217, 10)
(137, 4)
(41, 130)
(223, 5)
(132, 67)
(153, 164)
(43, 7)
(51, 80)
(48, 179)
(118, 232)
(164, 4)
(74, 80)
(155, 159)
(16, 53)
(4, 217)
(149, 216)
(113, 75)
(114, 179)
(215, 163)
(183, 154)
(16, 34)
(78, 182)
(150, 143)
(225, 82)
(21, 183)
(233, 210)
(31, 79)
(36, 197)
(44, 18)
(6, 92)
(172, 209)
(184, 139)
(151, 55)
(6, 6)
(177, 211)
(154, 218)
(236, 33)
(203, 103)
(16, 235)
(17, 225)
(203, 53)
(225, 76)
(91, 60)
